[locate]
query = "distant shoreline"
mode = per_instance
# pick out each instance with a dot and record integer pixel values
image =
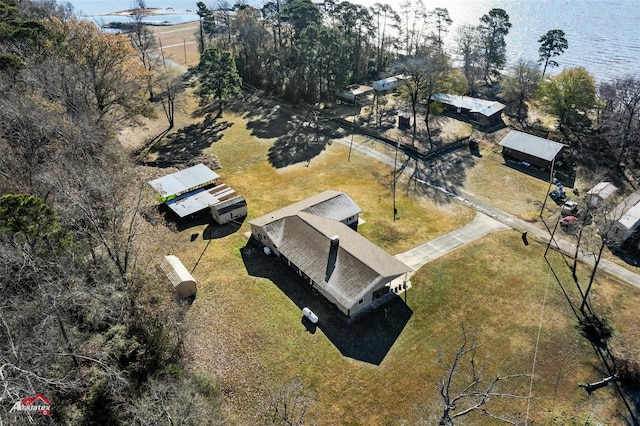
(121, 20)
(147, 11)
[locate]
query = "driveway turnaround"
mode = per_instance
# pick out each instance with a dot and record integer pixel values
(425, 253)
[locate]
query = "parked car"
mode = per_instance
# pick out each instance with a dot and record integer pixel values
(568, 222)
(569, 208)
(558, 195)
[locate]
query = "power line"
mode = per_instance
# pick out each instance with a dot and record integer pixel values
(535, 352)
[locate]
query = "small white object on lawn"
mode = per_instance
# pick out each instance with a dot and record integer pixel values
(309, 314)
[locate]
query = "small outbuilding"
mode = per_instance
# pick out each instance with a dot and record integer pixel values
(600, 193)
(182, 182)
(229, 210)
(356, 93)
(182, 281)
(193, 190)
(388, 84)
(532, 150)
(623, 220)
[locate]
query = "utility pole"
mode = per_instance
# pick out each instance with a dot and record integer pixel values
(544, 203)
(164, 64)
(395, 163)
(353, 126)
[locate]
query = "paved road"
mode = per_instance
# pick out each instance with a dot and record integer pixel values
(489, 218)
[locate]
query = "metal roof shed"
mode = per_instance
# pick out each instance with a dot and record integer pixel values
(473, 105)
(199, 200)
(228, 210)
(187, 180)
(180, 278)
(532, 149)
(600, 192)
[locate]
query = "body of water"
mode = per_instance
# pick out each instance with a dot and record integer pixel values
(603, 35)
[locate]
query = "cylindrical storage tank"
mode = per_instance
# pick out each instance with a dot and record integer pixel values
(309, 314)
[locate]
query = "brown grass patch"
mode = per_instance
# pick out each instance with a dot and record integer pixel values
(245, 325)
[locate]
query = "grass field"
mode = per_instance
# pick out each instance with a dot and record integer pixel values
(245, 327)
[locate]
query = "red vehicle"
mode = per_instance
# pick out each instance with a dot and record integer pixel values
(568, 222)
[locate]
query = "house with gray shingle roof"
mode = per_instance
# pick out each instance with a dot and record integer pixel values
(317, 238)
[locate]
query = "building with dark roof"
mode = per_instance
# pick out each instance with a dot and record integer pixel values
(531, 149)
(316, 238)
(480, 111)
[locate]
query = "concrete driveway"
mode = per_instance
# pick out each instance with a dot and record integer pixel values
(425, 253)
(488, 219)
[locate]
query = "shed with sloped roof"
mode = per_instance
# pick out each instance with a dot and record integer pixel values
(602, 191)
(182, 281)
(229, 210)
(182, 182)
(531, 149)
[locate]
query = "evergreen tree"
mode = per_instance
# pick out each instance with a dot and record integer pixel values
(217, 77)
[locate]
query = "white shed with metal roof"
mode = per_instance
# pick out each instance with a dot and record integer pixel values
(600, 192)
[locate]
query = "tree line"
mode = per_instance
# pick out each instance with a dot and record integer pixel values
(82, 321)
(304, 52)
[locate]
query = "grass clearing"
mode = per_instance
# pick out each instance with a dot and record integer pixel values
(245, 325)
(507, 188)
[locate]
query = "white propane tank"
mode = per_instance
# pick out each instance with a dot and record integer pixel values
(309, 314)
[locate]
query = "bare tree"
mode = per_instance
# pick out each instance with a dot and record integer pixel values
(621, 114)
(468, 47)
(185, 400)
(464, 391)
(171, 87)
(287, 405)
(521, 84)
(144, 42)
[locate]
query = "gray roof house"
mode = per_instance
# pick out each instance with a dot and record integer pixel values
(315, 238)
(531, 149)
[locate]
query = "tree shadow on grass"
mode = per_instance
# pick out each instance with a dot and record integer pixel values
(215, 231)
(268, 122)
(297, 146)
(189, 142)
(439, 179)
(366, 339)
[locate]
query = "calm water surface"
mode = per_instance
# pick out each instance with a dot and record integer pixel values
(603, 35)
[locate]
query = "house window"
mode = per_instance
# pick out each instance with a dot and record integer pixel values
(260, 236)
(360, 301)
